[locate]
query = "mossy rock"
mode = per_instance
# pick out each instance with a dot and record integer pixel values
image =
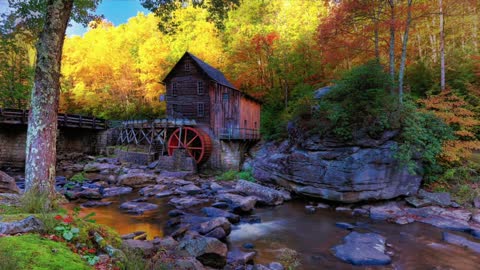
(110, 236)
(33, 252)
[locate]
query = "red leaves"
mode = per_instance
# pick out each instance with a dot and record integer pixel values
(262, 42)
(58, 217)
(68, 219)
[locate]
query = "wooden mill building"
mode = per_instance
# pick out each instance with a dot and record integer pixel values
(195, 90)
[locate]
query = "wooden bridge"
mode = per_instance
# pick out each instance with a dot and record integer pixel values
(20, 117)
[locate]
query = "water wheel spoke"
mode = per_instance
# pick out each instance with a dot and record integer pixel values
(190, 142)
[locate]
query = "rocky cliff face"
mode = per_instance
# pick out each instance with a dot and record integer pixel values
(337, 171)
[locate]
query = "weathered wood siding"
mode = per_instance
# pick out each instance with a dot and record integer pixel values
(225, 104)
(184, 102)
(249, 114)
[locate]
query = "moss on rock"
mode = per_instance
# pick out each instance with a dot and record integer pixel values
(33, 252)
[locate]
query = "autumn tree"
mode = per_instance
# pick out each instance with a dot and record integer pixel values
(42, 128)
(165, 9)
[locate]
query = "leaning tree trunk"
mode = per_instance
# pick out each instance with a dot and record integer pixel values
(42, 121)
(403, 60)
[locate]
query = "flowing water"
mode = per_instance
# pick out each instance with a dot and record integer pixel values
(415, 246)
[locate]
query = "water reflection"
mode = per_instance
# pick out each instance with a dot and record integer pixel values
(415, 246)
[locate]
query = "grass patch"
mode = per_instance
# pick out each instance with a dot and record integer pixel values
(32, 252)
(79, 177)
(231, 175)
(35, 203)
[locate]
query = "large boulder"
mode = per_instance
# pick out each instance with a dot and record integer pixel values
(337, 171)
(239, 204)
(265, 194)
(137, 179)
(209, 251)
(30, 224)
(363, 249)
(7, 184)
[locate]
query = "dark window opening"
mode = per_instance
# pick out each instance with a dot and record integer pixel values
(187, 66)
(225, 97)
(200, 109)
(255, 125)
(245, 123)
(200, 90)
(174, 89)
(174, 108)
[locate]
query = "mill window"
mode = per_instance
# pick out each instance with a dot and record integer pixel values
(200, 89)
(200, 109)
(187, 66)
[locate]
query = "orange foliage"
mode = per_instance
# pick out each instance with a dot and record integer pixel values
(452, 109)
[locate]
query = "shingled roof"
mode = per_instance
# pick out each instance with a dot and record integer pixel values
(210, 71)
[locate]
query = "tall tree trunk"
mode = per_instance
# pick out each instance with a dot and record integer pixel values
(392, 45)
(442, 48)
(403, 60)
(42, 121)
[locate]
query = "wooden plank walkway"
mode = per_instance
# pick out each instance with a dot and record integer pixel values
(20, 117)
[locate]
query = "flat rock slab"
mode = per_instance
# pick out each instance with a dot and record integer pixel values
(461, 241)
(137, 179)
(387, 211)
(91, 204)
(439, 198)
(27, 225)
(116, 191)
(448, 224)
(265, 194)
(151, 190)
(417, 202)
(362, 249)
(189, 189)
(186, 202)
(138, 207)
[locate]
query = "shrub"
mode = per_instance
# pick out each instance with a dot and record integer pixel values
(227, 176)
(422, 138)
(235, 175)
(359, 103)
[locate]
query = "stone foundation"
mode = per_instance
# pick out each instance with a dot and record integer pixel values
(13, 143)
(180, 161)
(135, 157)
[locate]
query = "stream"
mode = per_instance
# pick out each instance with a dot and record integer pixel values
(415, 246)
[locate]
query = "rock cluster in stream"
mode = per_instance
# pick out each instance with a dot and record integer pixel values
(205, 212)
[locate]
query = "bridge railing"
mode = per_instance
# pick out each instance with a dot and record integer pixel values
(238, 134)
(15, 116)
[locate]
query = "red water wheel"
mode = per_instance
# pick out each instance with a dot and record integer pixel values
(195, 141)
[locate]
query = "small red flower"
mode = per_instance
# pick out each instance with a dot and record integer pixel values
(92, 250)
(58, 217)
(68, 219)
